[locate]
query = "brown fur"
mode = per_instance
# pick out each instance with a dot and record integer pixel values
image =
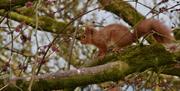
(118, 36)
(161, 33)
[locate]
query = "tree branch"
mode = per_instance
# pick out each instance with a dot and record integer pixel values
(134, 59)
(9, 4)
(123, 10)
(46, 23)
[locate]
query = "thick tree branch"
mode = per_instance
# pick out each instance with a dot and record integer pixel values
(9, 4)
(46, 23)
(123, 10)
(134, 59)
(81, 77)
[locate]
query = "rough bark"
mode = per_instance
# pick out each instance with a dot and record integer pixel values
(11, 4)
(46, 23)
(135, 59)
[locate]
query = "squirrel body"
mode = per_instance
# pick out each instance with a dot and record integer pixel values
(118, 35)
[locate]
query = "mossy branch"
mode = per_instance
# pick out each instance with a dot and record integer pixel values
(10, 4)
(45, 23)
(132, 60)
(123, 10)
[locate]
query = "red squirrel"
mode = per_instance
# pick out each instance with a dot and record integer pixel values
(118, 35)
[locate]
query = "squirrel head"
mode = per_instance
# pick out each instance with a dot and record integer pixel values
(87, 36)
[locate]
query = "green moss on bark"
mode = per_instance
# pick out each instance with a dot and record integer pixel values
(177, 33)
(10, 4)
(123, 10)
(142, 57)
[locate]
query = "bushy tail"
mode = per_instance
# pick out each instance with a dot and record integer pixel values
(160, 32)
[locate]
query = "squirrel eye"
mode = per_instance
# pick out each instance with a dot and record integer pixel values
(84, 36)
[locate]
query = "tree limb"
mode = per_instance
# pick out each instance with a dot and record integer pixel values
(123, 10)
(46, 23)
(9, 4)
(132, 60)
